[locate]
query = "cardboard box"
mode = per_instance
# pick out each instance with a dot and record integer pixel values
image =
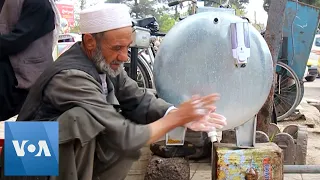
(265, 161)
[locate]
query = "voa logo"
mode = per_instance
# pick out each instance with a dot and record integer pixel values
(20, 148)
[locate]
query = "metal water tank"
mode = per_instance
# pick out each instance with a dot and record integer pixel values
(196, 57)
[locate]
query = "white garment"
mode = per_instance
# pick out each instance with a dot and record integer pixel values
(169, 109)
(104, 83)
(104, 17)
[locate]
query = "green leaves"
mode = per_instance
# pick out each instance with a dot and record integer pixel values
(166, 22)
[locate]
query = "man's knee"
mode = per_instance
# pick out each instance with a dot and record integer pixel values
(77, 123)
(74, 114)
(76, 161)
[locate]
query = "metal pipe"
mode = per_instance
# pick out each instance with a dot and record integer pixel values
(301, 169)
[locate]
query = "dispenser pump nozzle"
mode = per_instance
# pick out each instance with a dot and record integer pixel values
(240, 41)
(213, 136)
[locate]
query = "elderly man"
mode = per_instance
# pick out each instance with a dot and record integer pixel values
(26, 40)
(104, 117)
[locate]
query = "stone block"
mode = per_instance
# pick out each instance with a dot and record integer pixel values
(168, 169)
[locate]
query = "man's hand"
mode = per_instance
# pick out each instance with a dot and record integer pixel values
(211, 122)
(196, 108)
(207, 123)
(215, 97)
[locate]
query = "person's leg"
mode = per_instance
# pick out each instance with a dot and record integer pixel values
(6, 87)
(77, 145)
(18, 96)
(76, 161)
(118, 171)
(11, 99)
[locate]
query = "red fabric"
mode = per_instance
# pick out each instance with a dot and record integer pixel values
(1, 144)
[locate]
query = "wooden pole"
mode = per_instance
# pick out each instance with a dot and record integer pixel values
(273, 37)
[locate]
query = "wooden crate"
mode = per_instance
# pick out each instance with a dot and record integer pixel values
(232, 163)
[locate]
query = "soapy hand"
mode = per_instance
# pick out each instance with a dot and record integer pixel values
(196, 108)
(209, 123)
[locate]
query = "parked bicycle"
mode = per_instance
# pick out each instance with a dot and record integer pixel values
(143, 60)
(293, 56)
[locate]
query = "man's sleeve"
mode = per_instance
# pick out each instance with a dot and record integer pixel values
(36, 20)
(137, 104)
(74, 88)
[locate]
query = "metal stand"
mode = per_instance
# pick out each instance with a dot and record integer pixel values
(246, 134)
(133, 63)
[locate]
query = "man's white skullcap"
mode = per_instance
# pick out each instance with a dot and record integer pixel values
(104, 17)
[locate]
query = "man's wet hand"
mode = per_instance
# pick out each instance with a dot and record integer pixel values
(210, 122)
(196, 108)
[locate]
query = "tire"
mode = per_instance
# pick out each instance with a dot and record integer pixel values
(310, 78)
(285, 111)
(144, 73)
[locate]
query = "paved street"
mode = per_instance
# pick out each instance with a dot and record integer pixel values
(312, 89)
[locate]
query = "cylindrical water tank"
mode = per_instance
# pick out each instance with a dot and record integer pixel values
(195, 57)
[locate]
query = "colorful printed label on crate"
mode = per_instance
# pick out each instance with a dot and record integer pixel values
(267, 169)
(235, 164)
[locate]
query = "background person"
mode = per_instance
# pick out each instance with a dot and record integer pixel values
(27, 38)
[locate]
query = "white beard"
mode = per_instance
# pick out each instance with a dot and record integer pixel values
(103, 67)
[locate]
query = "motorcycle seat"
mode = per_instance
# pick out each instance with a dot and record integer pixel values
(143, 22)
